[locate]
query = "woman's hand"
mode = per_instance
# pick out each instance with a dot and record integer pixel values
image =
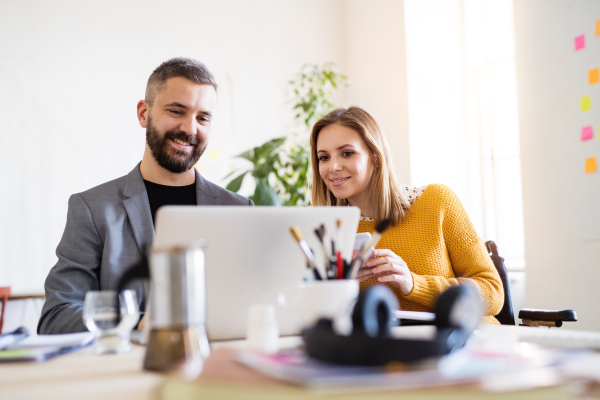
(387, 267)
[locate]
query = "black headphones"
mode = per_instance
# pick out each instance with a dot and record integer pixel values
(457, 312)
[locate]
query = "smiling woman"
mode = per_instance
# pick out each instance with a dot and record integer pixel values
(432, 244)
(351, 157)
(346, 169)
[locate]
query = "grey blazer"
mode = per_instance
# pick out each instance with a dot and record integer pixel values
(107, 229)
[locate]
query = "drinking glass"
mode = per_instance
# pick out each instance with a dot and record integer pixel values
(100, 312)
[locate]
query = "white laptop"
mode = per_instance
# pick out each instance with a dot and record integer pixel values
(251, 255)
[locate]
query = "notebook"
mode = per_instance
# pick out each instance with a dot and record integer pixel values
(43, 347)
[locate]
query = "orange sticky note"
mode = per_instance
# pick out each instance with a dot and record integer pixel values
(590, 165)
(594, 76)
(598, 28)
(586, 103)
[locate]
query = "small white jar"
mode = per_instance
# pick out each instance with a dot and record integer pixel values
(262, 331)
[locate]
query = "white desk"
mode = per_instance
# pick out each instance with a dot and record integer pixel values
(81, 375)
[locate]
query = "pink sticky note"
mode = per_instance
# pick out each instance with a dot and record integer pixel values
(587, 132)
(579, 42)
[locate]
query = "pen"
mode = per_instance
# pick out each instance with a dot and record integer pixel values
(335, 238)
(340, 265)
(310, 257)
(358, 262)
(320, 232)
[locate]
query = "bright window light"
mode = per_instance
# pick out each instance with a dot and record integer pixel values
(463, 119)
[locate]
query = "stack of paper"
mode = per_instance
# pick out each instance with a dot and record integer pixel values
(42, 347)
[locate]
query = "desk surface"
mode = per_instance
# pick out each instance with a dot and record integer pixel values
(83, 374)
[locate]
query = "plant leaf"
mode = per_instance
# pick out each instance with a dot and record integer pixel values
(235, 184)
(248, 155)
(264, 195)
(262, 170)
(231, 173)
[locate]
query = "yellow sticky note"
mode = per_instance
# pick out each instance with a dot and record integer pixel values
(590, 165)
(594, 76)
(586, 103)
(213, 153)
(598, 28)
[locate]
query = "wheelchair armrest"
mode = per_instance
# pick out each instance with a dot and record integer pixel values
(546, 317)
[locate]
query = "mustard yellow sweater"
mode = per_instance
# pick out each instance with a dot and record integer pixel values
(441, 248)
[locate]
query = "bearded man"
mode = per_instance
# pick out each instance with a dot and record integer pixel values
(109, 226)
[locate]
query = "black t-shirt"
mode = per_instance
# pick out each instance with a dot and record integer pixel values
(161, 195)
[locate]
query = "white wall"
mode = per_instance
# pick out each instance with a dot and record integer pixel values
(71, 73)
(562, 269)
(375, 59)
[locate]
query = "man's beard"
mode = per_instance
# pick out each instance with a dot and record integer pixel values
(168, 157)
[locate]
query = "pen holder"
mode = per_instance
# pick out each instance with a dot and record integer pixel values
(319, 299)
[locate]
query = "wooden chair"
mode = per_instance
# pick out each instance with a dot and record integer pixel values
(4, 293)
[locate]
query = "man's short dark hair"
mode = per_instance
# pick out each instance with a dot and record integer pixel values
(187, 68)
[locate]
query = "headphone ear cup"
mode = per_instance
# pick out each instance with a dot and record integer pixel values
(373, 312)
(459, 307)
(324, 325)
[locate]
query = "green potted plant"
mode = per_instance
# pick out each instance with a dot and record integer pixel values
(280, 167)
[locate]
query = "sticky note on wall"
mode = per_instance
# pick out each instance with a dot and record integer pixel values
(213, 153)
(586, 103)
(590, 165)
(598, 28)
(587, 132)
(594, 76)
(579, 42)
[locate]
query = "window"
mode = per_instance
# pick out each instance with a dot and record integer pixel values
(463, 116)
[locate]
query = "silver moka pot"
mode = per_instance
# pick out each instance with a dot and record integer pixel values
(176, 310)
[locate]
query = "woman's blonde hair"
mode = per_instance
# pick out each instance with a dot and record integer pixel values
(388, 201)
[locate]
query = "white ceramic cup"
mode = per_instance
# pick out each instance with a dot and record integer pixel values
(313, 300)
